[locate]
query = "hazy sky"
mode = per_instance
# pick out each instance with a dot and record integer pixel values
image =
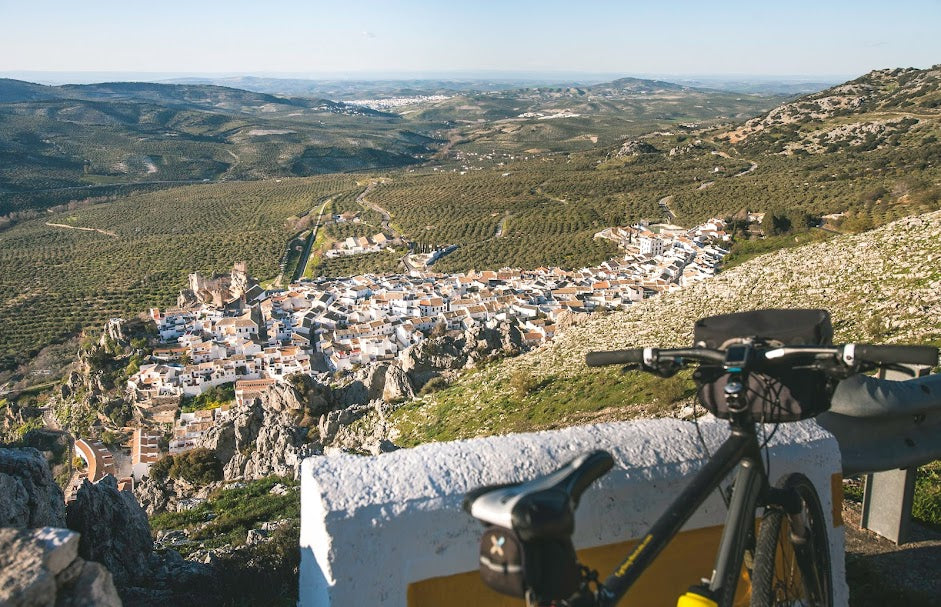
(349, 36)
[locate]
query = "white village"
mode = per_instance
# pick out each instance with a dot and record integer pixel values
(228, 330)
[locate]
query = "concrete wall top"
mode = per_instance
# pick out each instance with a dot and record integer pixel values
(372, 525)
(445, 471)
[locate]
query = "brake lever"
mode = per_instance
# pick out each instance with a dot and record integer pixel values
(665, 368)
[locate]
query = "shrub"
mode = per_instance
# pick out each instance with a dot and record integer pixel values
(926, 505)
(210, 399)
(433, 385)
(160, 469)
(111, 439)
(199, 466)
(523, 383)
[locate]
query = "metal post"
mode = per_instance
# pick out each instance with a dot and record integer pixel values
(887, 496)
(887, 504)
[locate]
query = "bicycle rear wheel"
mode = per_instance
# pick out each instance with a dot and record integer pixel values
(793, 572)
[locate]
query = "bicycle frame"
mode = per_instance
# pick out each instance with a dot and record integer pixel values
(750, 484)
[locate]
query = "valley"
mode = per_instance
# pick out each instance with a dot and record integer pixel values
(431, 265)
(478, 186)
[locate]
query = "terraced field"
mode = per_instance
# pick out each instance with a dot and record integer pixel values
(55, 280)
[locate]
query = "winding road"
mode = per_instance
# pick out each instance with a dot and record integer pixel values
(665, 207)
(386, 216)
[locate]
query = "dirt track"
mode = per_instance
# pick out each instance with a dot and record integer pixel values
(68, 227)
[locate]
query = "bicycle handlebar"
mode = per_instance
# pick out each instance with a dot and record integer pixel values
(615, 357)
(849, 354)
(914, 355)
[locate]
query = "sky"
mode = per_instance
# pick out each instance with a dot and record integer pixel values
(350, 38)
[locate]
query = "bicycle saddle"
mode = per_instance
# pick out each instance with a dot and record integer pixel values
(543, 507)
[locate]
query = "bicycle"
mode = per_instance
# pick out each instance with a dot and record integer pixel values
(763, 366)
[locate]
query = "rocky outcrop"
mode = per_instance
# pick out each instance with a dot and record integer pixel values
(635, 147)
(29, 496)
(385, 380)
(156, 496)
(396, 384)
(42, 567)
(431, 357)
(330, 423)
(262, 437)
(115, 530)
(113, 332)
(176, 581)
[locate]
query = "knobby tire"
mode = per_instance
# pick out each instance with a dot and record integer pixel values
(785, 574)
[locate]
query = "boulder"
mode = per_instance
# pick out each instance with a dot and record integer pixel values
(397, 384)
(115, 530)
(29, 496)
(42, 567)
(283, 397)
(156, 496)
(114, 331)
(331, 422)
(635, 147)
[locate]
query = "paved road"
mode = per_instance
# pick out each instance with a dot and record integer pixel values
(754, 165)
(386, 216)
(665, 207)
(305, 255)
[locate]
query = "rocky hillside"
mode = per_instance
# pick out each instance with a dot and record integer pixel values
(873, 110)
(883, 285)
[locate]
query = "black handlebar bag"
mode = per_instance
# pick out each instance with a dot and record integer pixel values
(774, 392)
(789, 327)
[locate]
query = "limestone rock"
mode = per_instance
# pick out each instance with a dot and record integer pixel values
(331, 422)
(155, 496)
(397, 384)
(259, 439)
(29, 496)
(115, 530)
(114, 332)
(634, 147)
(42, 567)
(382, 445)
(94, 586)
(283, 397)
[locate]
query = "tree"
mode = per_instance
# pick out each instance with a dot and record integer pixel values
(160, 469)
(780, 224)
(199, 466)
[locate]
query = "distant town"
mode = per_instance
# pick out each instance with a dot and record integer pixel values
(229, 330)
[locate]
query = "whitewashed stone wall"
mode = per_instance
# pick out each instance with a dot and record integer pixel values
(370, 526)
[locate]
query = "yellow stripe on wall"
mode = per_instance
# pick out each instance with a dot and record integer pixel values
(683, 563)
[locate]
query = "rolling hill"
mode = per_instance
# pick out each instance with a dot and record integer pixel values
(526, 210)
(70, 142)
